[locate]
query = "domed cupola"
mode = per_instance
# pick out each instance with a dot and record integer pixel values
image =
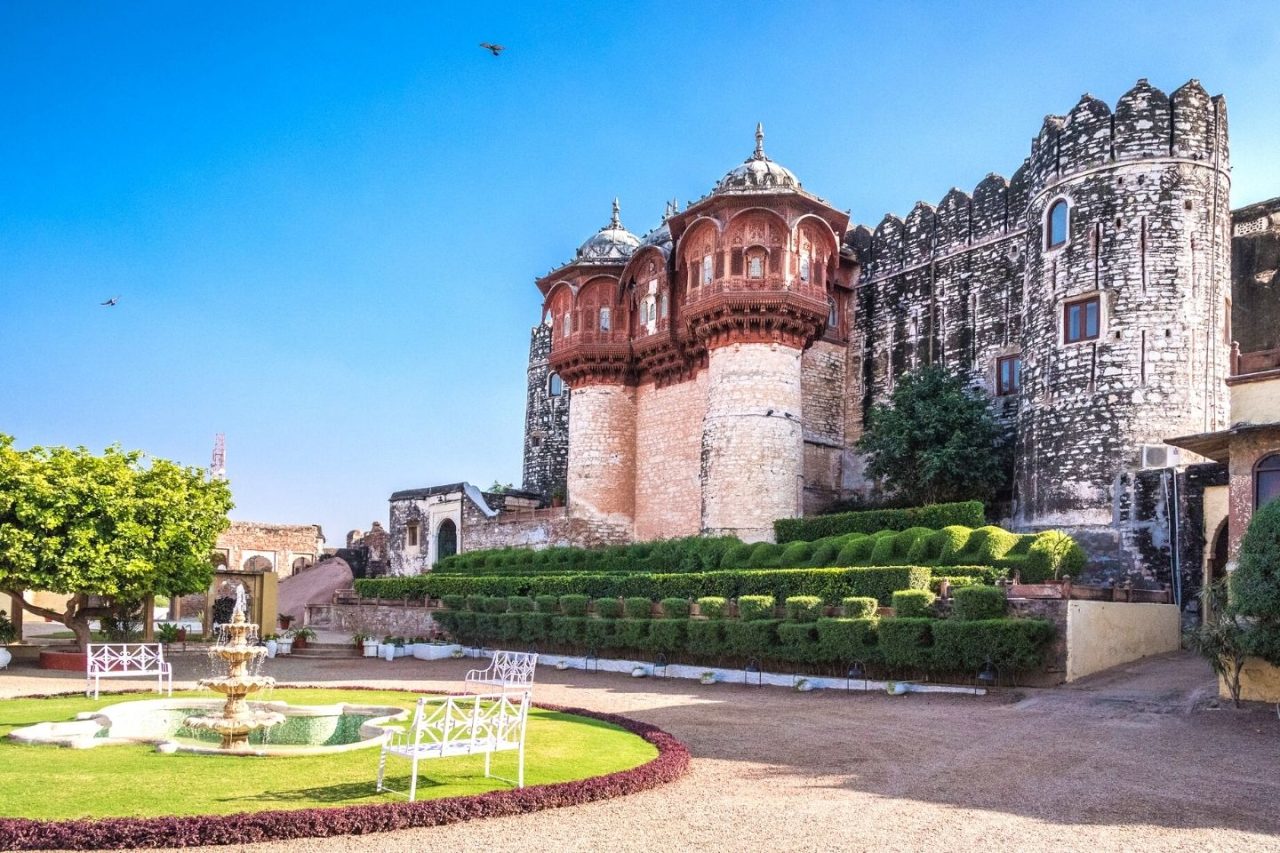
(612, 243)
(758, 174)
(661, 236)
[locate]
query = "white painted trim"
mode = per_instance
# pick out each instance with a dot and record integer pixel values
(1051, 251)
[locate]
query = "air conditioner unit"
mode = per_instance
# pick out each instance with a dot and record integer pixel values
(1160, 456)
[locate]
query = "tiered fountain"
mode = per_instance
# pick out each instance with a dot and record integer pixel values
(238, 718)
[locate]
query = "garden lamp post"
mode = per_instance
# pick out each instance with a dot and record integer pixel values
(857, 671)
(988, 674)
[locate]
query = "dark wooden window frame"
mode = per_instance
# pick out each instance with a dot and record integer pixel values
(1004, 389)
(1269, 464)
(1084, 335)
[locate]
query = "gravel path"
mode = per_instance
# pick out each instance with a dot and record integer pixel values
(1132, 759)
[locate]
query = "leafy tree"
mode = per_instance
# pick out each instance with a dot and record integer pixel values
(1255, 584)
(106, 530)
(1222, 639)
(936, 441)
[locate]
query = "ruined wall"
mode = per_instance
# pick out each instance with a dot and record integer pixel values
(1255, 276)
(668, 501)
(282, 545)
(752, 441)
(546, 423)
(823, 390)
(602, 443)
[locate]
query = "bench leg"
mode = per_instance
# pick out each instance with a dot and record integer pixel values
(413, 780)
(487, 756)
(520, 767)
(382, 768)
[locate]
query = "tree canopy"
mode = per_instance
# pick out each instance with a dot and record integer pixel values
(1255, 584)
(118, 527)
(936, 441)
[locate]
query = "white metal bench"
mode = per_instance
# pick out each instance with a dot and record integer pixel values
(459, 725)
(126, 660)
(506, 670)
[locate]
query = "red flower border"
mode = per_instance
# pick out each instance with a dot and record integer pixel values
(671, 763)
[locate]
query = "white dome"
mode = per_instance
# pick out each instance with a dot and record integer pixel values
(610, 243)
(758, 173)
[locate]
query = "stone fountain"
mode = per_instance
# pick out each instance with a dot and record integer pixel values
(241, 660)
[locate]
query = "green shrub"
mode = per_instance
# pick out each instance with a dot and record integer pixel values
(803, 608)
(508, 627)
(797, 642)
(859, 607)
(1255, 584)
(598, 633)
(1013, 645)
(637, 608)
(608, 608)
(574, 605)
(973, 603)
(942, 546)
(569, 630)
(848, 640)
(712, 606)
(905, 541)
(751, 638)
(675, 608)
(956, 581)
(454, 602)
(824, 555)
(464, 627)
(447, 621)
(907, 643)
(913, 603)
(667, 635)
(536, 626)
(487, 627)
(547, 603)
(856, 550)
(706, 638)
(751, 607)
(995, 544)
(474, 602)
(796, 554)
(495, 604)
(631, 633)
(882, 550)
(520, 604)
(1051, 555)
(934, 516)
(737, 557)
(766, 555)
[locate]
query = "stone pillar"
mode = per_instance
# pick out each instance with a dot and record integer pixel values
(602, 445)
(752, 440)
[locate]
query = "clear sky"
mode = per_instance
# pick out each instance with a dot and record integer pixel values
(323, 220)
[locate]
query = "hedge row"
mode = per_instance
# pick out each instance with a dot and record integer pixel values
(688, 554)
(899, 644)
(831, 585)
(936, 516)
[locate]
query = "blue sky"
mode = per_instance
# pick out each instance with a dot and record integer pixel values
(324, 219)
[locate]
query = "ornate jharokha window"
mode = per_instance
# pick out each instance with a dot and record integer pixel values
(1266, 480)
(805, 264)
(755, 264)
(833, 315)
(604, 319)
(662, 306)
(566, 324)
(1008, 375)
(1057, 221)
(1081, 320)
(706, 269)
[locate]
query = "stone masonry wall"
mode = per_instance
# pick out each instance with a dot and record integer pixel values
(668, 450)
(1255, 276)
(546, 423)
(281, 544)
(823, 395)
(752, 441)
(602, 460)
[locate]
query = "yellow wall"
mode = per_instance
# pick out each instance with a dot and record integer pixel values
(1259, 682)
(1103, 634)
(1217, 506)
(1256, 402)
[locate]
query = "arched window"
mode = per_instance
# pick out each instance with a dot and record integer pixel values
(567, 324)
(257, 563)
(1058, 219)
(555, 385)
(604, 319)
(662, 306)
(805, 264)
(833, 316)
(706, 269)
(1266, 481)
(446, 539)
(755, 264)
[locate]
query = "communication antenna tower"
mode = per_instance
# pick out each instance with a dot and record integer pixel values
(218, 463)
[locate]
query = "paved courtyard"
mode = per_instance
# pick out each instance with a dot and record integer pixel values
(1134, 758)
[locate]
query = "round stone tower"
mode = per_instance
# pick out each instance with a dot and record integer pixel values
(591, 353)
(1126, 335)
(754, 264)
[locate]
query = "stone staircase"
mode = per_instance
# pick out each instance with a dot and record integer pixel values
(326, 651)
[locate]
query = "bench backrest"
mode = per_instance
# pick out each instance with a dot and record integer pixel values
(124, 657)
(515, 669)
(493, 720)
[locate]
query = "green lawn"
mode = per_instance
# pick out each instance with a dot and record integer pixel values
(136, 781)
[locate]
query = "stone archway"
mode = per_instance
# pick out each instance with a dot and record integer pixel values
(446, 539)
(1219, 555)
(257, 563)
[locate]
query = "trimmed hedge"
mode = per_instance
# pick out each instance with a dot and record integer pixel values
(608, 608)
(831, 585)
(935, 516)
(675, 608)
(690, 554)
(638, 608)
(712, 606)
(859, 607)
(574, 604)
(753, 607)
(912, 603)
(803, 608)
(973, 603)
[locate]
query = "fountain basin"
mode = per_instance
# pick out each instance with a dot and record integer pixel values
(306, 729)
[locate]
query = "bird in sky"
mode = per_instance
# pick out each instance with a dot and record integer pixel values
(110, 303)
(495, 49)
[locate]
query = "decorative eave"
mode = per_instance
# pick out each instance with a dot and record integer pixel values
(582, 363)
(785, 317)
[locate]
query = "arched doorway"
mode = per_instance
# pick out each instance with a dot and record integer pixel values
(301, 563)
(446, 539)
(1218, 556)
(257, 563)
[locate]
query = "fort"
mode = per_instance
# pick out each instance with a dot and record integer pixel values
(714, 375)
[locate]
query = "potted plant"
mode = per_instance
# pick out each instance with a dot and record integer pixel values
(8, 634)
(284, 644)
(272, 642)
(166, 633)
(400, 646)
(285, 619)
(707, 677)
(804, 685)
(301, 636)
(457, 653)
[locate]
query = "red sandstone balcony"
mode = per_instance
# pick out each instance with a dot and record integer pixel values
(1248, 363)
(589, 356)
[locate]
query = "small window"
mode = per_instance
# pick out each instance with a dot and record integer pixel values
(804, 267)
(411, 535)
(662, 306)
(735, 262)
(1059, 218)
(1266, 481)
(1081, 320)
(644, 312)
(555, 385)
(567, 324)
(1008, 375)
(833, 315)
(755, 266)
(604, 319)
(706, 269)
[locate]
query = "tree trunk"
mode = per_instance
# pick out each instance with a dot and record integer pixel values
(76, 617)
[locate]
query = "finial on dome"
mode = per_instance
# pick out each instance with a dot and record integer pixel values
(759, 154)
(616, 221)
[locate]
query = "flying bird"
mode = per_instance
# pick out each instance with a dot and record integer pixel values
(495, 49)
(111, 302)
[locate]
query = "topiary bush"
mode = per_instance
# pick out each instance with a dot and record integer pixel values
(637, 607)
(848, 640)
(520, 604)
(797, 641)
(705, 638)
(795, 555)
(608, 608)
(631, 633)
(547, 603)
(935, 516)
(536, 626)
(737, 557)
(766, 555)
(474, 602)
(973, 603)
(1051, 555)
(824, 555)
(907, 643)
(856, 550)
(803, 608)
(752, 607)
(667, 635)
(454, 602)
(913, 603)
(712, 606)
(994, 544)
(574, 605)
(859, 607)
(495, 604)
(749, 639)
(1013, 645)
(675, 608)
